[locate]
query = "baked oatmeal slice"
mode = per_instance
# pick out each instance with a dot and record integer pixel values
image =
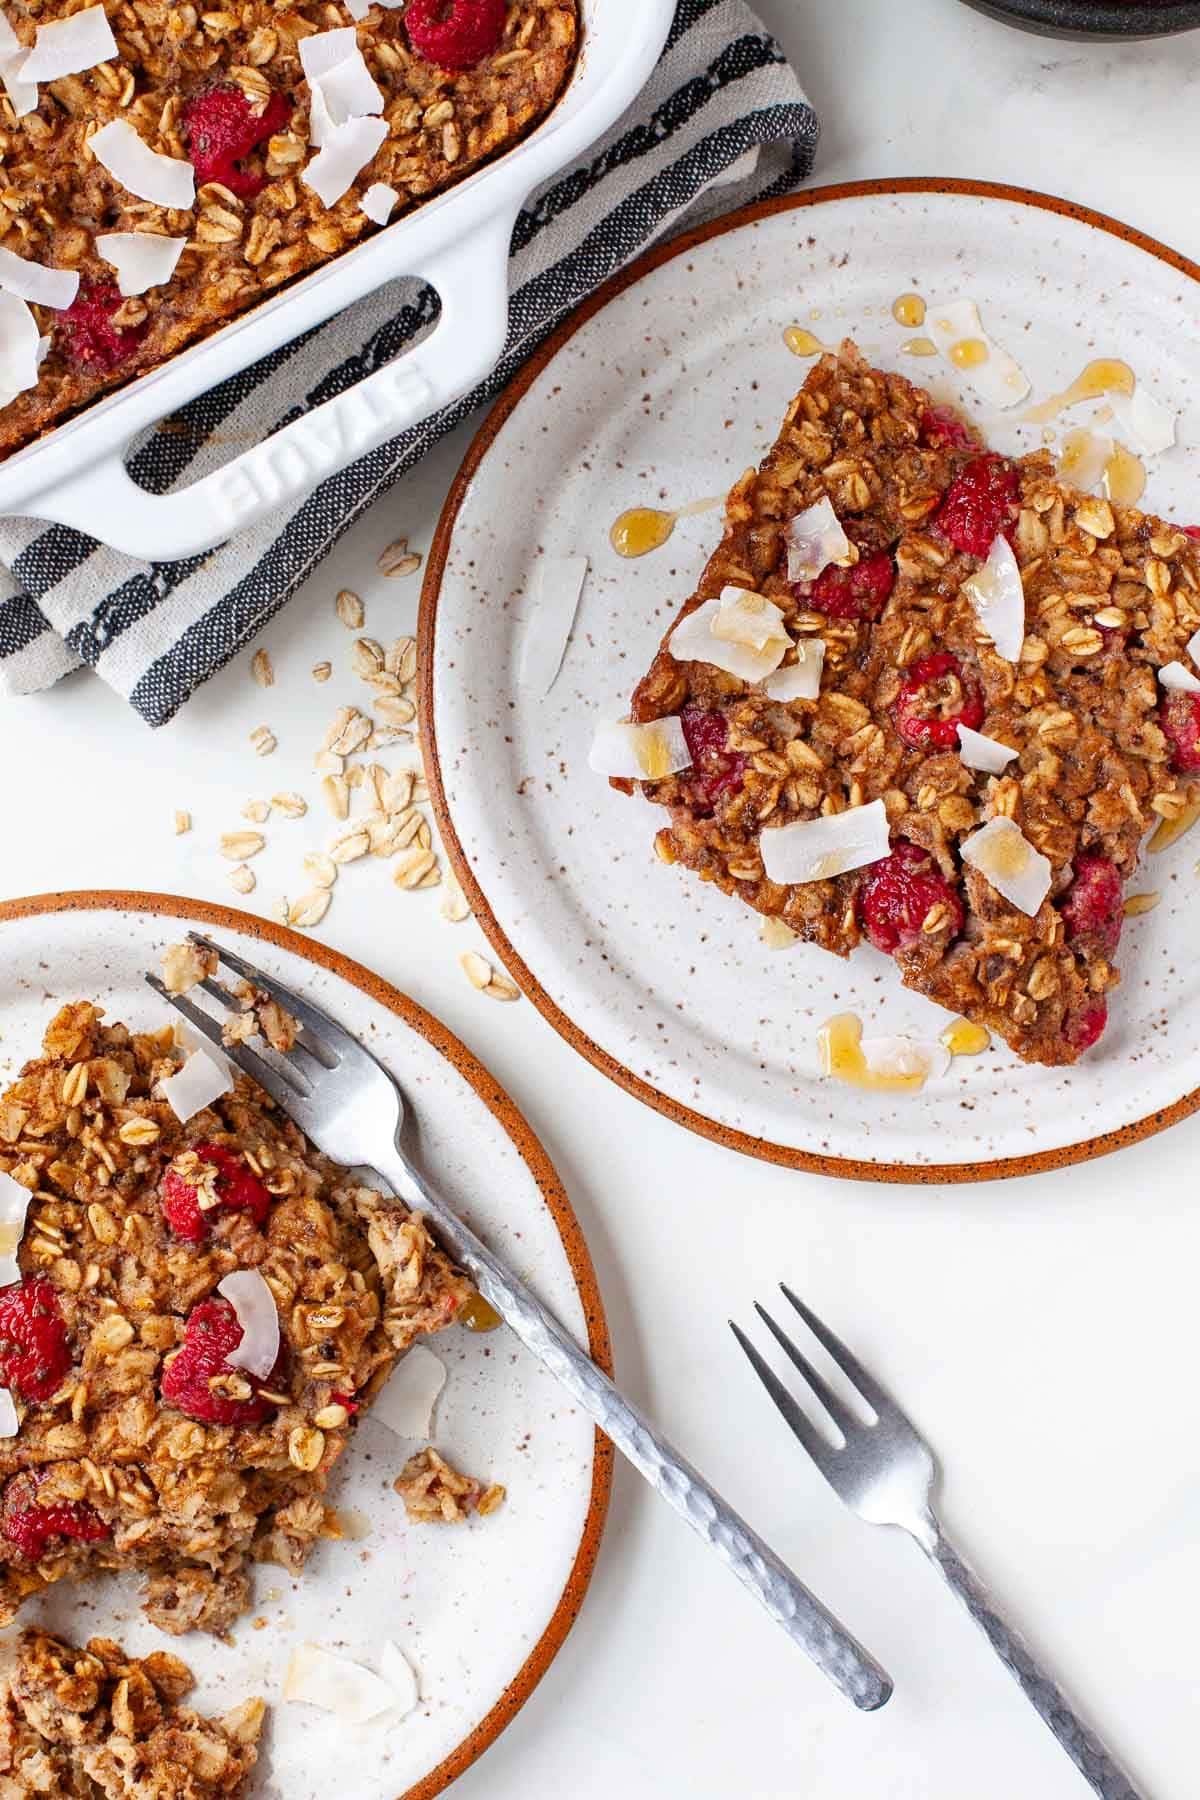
(95, 1724)
(983, 797)
(146, 1435)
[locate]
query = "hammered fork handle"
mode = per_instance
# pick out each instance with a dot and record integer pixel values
(1094, 1762)
(755, 1564)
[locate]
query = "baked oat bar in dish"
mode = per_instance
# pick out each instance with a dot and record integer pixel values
(166, 166)
(195, 1313)
(931, 697)
(95, 1724)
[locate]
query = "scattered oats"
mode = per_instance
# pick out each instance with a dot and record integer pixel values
(349, 609)
(491, 1499)
(328, 762)
(350, 846)
(414, 868)
(320, 869)
(310, 909)
(420, 786)
(402, 829)
(366, 658)
(401, 659)
(239, 846)
(337, 795)
(264, 740)
(348, 731)
(292, 806)
(396, 791)
(354, 775)
(480, 973)
(257, 811)
(260, 668)
(375, 778)
(183, 822)
(397, 559)
(322, 671)
(242, 880)
(138, 1131)
(424, 836)
(775, 934)
(281, 910)
(384, 736)
(1141, 903)
(454, 902)
(395, 712)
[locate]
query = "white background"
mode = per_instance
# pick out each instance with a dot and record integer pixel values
(1043, 1332)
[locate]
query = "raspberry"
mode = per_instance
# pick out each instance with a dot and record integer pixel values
(211, 1332)
(221, 127)
(979, 504)
(1179, 716)
(857, 593)
(34, 1351)
(30, 1527)
(89, 336)
(1192, 531)
(1083, 1028)
(455, 33)
(1094, 907)
(236, 1186)
(717, 770)
(942, 429)
(934, 698)
(896, 895)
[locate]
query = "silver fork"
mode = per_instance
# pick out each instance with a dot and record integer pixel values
(348, 1104)
(885, 1472)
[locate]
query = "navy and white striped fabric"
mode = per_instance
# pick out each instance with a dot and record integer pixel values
(722, 121)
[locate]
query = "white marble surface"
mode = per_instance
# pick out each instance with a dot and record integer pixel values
(1043, 1332)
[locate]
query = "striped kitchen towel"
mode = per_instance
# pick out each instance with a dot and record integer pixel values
(722, 121)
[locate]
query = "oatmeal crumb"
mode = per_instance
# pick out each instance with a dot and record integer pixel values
(433, 1490)
(185, 966)
(261, 669)
(183, 822)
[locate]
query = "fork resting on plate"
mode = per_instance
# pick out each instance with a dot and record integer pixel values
(347, 1103)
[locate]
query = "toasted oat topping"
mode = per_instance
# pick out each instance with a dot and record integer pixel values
(433, 1490)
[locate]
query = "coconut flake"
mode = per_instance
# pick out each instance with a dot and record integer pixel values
(378, 203)
(694, 640)
(981, 752)
(1177, 679)
(815, 539)
(14, 1203)
(1193, 646)
(168, 181)
(1002, 852)
(640, 752)
(818, 849)
(800, 680)
(407, 1398)
(346, 152)
(400, 1676)
(142, 259)
(349, 91)
(22, 94)
(744, 617)
(996, 592)
(905, 1058)
(322, 51)
(258, 1316)
(196, 1085)
(342, 87)
(355, 1694)
(71, 45)
(30, 280)
(557, 588)
(998, 378)
(1143, 421)
(21, 349)
(9, 1423)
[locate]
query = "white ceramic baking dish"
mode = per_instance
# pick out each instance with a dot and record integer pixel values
(458, 243)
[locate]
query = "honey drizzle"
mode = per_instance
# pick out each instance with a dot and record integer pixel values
(802, 342)
(908, 309)
(1104, 375)
(968, 353)
(839, 1045)
(1124, 476)
(962, 1037)
(641, 529)
(919, 346)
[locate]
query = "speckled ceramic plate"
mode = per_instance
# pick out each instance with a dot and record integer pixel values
(663, 391)
(479, 1609)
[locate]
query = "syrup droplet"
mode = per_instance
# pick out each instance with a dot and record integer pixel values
(1106, 375)
(962, 1037)
(920, 346)
(479, 1315)
(1124, 476)
(908, 309)
(839, 1045)
(645, 528)
(1171, 830)
(968, 353)
(802, 342)
(1083, 457)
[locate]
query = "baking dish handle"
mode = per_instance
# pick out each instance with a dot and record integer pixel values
(471, 277)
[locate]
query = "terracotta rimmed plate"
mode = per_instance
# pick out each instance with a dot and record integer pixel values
(482, 1609)
(661, 391)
